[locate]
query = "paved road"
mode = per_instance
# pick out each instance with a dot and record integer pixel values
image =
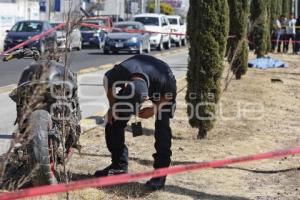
(10, 71)
(92, 97)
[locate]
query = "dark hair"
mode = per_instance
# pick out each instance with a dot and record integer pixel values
(282, 16)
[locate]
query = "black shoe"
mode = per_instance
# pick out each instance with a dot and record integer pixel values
(156, 183)
(111, 171)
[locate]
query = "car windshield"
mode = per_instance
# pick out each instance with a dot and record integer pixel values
(173, 21)
(86, 28)
(28, 27)
(150, 21)
(117, 28)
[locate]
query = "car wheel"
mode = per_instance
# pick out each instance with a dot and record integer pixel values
(161, 45)
(149, 47)
(183, 42)
(105, 52)
(168, 45)
(178, 44)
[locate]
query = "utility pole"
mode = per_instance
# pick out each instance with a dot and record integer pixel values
(296, 8)
(157, 6)
(118, 10)
(49, 10)
(142, 6)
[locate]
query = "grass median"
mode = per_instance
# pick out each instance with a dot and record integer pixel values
(237, 132)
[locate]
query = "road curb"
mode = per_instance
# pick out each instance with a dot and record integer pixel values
(7, 88)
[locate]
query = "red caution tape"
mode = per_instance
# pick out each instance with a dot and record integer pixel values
(286, 41)
(120, 179)
(105, 28)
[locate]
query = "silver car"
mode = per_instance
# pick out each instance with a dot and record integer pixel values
(127, 36)
(75, 38)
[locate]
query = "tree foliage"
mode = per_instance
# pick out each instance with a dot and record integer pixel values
(208, 32)
(237, 46)
(261, 23)
(165, 8)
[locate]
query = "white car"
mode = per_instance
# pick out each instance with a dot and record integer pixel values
(159, 25)
(75, 38)
(177, 26)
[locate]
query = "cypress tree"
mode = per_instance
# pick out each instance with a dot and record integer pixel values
(238, 50)
(269, 23)
(261, 31)
(207, 31)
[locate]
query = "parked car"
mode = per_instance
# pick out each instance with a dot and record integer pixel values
(127, 36)
(159, 24)
(24, 30)
(177, 26)
(75, 38)
(93, 36)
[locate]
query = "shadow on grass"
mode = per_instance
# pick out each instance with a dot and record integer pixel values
(144, 162)
(261, 171)
(198, 194)
(138, 190)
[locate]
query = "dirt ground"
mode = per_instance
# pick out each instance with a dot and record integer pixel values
(273, 125)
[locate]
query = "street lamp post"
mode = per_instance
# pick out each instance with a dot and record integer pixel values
(142, 6)
(157, 6)
(296, 6)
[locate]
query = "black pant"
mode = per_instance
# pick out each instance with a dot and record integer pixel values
(287, 39)
(115, 139)
(297, 42)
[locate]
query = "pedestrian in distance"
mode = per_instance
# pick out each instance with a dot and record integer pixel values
(290, 34)
(139, 79)
(280, 32)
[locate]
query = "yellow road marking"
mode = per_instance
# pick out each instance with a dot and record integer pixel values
(7, 88)
(87, 70)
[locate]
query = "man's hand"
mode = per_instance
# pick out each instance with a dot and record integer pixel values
(146, 113)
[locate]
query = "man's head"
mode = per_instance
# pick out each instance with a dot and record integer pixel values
(292, 16)
(282, 17)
